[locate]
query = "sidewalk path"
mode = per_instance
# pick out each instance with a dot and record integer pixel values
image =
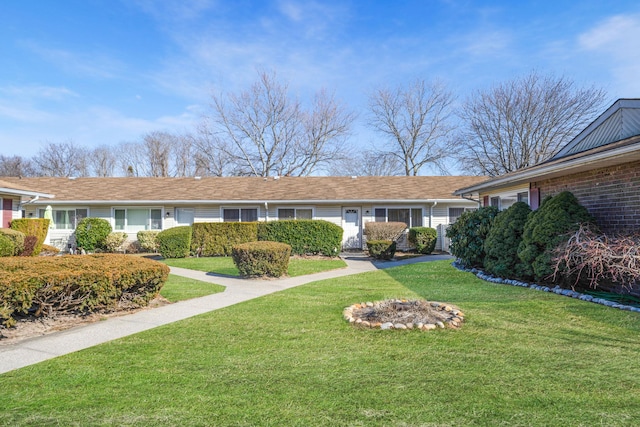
(37, 349)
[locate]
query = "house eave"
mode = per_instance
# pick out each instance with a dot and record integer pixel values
(16, 192)
(246, 202)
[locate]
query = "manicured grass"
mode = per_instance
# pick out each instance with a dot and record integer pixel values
(179, 288)
(224, 265)
(522, 358)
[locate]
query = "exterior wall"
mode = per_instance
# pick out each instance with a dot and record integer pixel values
(508, 196)
(9, 210)
(612, 194)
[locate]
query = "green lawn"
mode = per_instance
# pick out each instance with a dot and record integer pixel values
(179, 288)
(225, 265)
(523, 358)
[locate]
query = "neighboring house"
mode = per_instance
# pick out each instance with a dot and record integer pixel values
(134, 204)
(600, 166)
(12, 195)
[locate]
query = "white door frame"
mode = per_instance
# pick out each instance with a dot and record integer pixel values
(349, 241)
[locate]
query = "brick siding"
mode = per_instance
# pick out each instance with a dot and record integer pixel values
(611, 194)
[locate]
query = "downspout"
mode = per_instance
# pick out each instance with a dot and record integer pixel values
(479, 202)
(266, 212)
(431, 212)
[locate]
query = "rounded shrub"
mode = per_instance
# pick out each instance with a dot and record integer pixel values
(468, 234)
(175, 242)
(7, 248)
(546, 229)
(17, 237)
(381, 249)
(423, 238)
(115, 241)
(264, 258)
(91, 233)
(148, 240)
(501, 245)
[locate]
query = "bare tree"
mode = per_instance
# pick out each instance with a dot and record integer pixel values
(522, 122)
(415, 122)
(209, 159)
(264, 131)
(102, 161)
(15, 166)
(64, 159)
(368, 163)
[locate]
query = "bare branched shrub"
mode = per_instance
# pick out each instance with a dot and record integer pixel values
(384, 230)
(598, 259)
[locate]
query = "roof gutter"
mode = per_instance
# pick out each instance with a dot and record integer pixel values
(244, 202)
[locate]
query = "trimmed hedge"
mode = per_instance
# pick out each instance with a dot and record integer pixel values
(115, 241)
(468, 234)
(148, 240)
(306, 236)
(78, 284)
(37, 227)
(501, 244)
(384, 230)
(546, 229)
(218, 238)
(7, 248)
(91, 233)
(17, 237)
(381, 249)
(256, 259)
(175, 242)
(423, 238)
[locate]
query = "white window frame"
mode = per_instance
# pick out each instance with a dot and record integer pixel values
(295, 211)
(411, 208)
(40, 213)
(149, 225)
(520, 197)
(239, 209)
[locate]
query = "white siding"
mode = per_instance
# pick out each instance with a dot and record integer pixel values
(207, 214)
(331, 213)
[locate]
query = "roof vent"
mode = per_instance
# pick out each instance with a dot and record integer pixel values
(276, 177)
(72, 177)
(353, 177)
(197, 178)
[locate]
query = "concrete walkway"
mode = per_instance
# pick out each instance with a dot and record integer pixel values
(33, 350)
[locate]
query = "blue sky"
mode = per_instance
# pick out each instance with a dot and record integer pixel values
(107, 71)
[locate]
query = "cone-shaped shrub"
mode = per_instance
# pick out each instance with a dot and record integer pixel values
(501, 246)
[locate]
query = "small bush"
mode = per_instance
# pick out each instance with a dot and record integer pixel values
(114, 241)
(546, 229)
(255, 259)
(30, 243)
(218, 238)
(175, 242)
(76, 284)
(468, 234)
(37, 227)
(148, 240)
(501, 245)
(381, 249)
(423, 238)
(7, 248)
(17, 237)
(306, 237)
(384, 230)
(91, 233)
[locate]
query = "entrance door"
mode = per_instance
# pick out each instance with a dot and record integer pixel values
(352, 238)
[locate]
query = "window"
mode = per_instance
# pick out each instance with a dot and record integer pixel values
(241, 215)
(523, 197)
(295, 213)
(454, 213)
(65, 219)
(184, 216)
(495, 202)
(133, 220)
(410, 216)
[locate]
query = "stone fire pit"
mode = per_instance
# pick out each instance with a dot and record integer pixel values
(404, 314)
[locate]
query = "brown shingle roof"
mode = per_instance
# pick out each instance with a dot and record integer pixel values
(17, 186)
(250, 188)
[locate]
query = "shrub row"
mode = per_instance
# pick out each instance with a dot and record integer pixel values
(264, 258)
(175, 242)
(79, 284)
(218, 238)
(517, 243)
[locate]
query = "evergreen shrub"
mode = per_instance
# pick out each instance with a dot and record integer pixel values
(468, 234)
(546, 229)
(148, 240)
(114, 241)
(7, 248)
(381, 249)
(501, 245)
(76, 284)
(423, 238)
(175, 242)
(17, 237)
(306, 237)
(264, 258)
(218, 238)
(37, 227)
(91, 233)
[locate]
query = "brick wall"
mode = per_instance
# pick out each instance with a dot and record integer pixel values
(612, 194)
